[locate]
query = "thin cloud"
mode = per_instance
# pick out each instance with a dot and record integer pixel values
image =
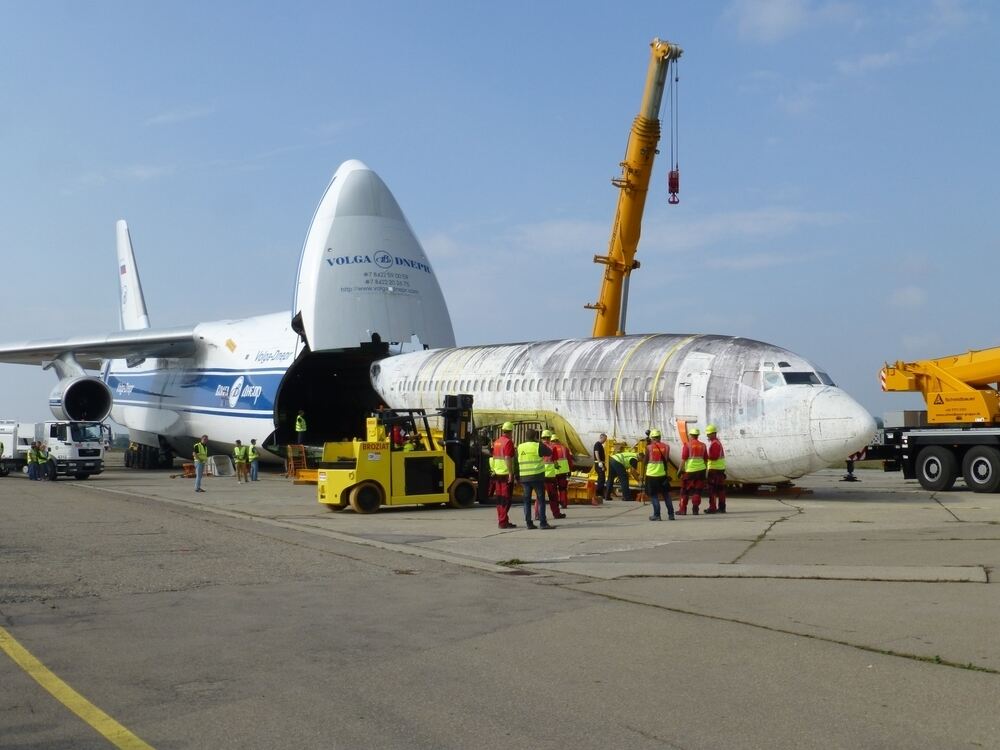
(908, 297)
(180, 114)
(525, 243)
(921, 343)
(868, 63)
(145, 172)
(753, 262)
(131, 173)
(769, 21)
(764, 223)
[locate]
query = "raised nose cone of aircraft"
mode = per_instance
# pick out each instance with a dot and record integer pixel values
(363, 275)
(838, 425)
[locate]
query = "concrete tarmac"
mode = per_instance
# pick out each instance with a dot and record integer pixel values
(856, 615)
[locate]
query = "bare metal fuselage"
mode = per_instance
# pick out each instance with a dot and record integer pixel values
(779, 416)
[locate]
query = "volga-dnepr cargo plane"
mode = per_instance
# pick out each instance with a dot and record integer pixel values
(369, 324)
(365, 289)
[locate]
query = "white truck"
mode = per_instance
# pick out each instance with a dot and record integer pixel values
(76, 449)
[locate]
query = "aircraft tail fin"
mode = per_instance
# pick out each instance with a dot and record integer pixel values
(133, 304)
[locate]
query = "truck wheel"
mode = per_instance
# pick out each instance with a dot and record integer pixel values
(83, 475)
(462, 494)
(936, 468)
(366, 497)
(981, 469)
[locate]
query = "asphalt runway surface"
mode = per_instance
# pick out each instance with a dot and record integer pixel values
(851, 616)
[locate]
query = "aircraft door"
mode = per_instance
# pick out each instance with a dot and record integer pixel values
(692, 388)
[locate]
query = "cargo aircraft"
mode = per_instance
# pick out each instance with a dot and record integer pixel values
(369, 325)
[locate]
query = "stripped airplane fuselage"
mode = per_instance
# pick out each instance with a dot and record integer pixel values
(778, 415)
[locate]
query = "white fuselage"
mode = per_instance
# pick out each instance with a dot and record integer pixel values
(227, 390)
(778, 416)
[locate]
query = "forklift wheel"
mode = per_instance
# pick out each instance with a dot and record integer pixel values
(366, 497)
(462, 494)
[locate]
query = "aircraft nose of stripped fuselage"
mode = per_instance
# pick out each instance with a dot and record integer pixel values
(838, 425)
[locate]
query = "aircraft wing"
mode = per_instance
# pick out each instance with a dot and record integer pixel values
(89, 351)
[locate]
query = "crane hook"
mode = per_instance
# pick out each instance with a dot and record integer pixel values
(674, 186)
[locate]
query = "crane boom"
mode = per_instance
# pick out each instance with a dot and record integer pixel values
(957, 389)
(609, 319)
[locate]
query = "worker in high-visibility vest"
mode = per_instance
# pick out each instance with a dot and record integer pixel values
(253, 455)
(200, 455)
(618, 468)
(42, 462)
(551, 490)
(300, 427)
(715, 474)
(502, 474)
(564, 465)
(657, 478)
(531, 473)
(241, 458)
(29, 460)
(693, 479)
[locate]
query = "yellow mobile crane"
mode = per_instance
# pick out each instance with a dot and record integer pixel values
(959, 434)
(612, 305)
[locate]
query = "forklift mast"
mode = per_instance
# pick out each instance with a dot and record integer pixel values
(459, 440)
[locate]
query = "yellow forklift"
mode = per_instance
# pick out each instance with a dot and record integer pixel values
(402, 461)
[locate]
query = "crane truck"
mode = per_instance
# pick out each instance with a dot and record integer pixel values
(959, 433)
(612, 305)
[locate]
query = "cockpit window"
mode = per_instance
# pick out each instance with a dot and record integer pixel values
(802, 378)
(825, 379)
(773, 380)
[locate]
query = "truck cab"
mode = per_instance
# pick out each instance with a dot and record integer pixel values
(75, 449)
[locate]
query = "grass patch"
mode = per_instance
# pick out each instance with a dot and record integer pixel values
(512, 562)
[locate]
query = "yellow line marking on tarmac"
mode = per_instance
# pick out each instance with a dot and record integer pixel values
(110, 729)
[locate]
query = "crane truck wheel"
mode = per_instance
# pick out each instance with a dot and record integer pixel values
(462, 494)
(366, 497)
(937, 468)
(981, 469)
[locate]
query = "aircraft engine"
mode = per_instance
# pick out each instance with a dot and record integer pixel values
(81, 398)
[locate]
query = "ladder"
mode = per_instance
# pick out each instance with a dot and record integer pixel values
(295, 461)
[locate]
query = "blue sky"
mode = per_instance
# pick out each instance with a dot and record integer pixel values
(838, 164)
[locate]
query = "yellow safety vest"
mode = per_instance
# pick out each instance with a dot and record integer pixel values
(561, 463)
(300, 424)
(550, 464)
(529, 461)
(718, 464)
(29, 457)
(498, 464)
(655, 453)
(624, 457)
(200, 452)
(696, 456)
(252, 453)
(240, 454)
